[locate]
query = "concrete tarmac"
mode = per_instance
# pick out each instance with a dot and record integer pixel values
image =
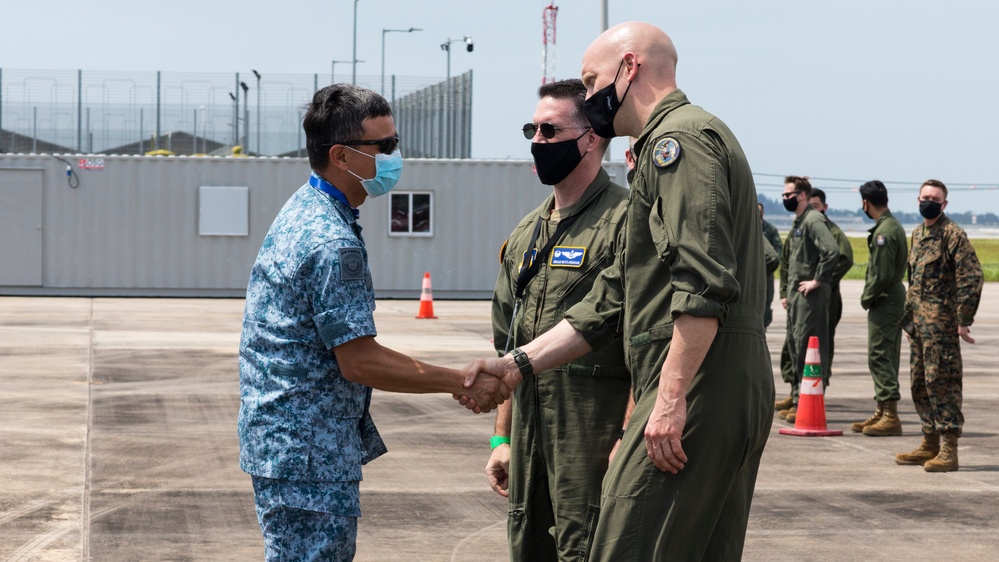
(118, 443)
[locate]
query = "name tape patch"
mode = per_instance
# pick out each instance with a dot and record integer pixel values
(567, 256)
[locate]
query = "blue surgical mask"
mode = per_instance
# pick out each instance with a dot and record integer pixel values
(388, 168)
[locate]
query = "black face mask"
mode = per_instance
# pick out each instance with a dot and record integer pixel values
(930, 209)
(867, 212)
(554, 161)
(791, 204)
(602, 106)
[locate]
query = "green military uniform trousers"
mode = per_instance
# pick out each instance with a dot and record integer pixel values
(835, 314)
(807, 316)
(554, 467)
(884, 344)
(706, 521)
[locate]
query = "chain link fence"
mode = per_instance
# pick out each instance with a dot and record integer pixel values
(109, 112)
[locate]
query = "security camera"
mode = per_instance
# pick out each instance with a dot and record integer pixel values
(468, 44)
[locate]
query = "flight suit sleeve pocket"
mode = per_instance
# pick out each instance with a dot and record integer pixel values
(662, 235)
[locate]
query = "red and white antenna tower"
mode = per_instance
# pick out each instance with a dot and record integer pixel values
(548, 16)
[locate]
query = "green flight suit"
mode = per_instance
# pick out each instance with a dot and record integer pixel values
(694, 246)
(773, 238)
(812, 254)
(945, 288)
(843, 266)
(566, 420)
(884, 300)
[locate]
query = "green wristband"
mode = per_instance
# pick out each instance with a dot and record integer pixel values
(497, 440)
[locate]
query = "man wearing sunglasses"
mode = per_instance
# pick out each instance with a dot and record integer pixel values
(688, 294)
(808, 269)
(308, 355)
(553, 439)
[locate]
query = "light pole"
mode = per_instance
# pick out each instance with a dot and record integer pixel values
(384, 31)
(246, 117)
(449, 152)
(257, 74)
(204, 132)
(353, 75)
(235, 118)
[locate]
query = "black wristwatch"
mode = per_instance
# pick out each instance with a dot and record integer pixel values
(522, 361)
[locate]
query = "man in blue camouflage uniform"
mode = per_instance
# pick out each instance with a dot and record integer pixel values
(945, 287)
(308, 357)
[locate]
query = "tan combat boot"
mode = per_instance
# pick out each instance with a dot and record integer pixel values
(784, 404)
(946, 461)
(928, 449)
(888, 425)
(784, 413)
(859, 426)
(791, 415)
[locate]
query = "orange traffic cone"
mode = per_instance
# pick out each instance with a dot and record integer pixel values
(810, 420)
(426, 299)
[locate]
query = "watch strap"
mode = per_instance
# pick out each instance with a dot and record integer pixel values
(523, 362)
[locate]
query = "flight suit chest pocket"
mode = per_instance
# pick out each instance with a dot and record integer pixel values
(662, 234)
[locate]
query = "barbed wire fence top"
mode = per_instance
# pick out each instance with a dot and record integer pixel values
(126, 112)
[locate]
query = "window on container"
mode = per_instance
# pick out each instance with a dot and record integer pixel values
(411, 214)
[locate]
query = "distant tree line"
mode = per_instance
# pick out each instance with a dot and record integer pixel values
(774, 207)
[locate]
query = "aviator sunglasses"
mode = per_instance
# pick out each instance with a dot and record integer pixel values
(386, 145)
(547, 130)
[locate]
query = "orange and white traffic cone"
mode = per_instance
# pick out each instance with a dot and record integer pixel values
(426, 299)
(810, 420)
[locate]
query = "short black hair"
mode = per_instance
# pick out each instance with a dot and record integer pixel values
(336, 114)
(875, 193)
(816, 192)
(571, 89)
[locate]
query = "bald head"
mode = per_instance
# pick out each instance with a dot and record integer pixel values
(647, 61)
(653, 48)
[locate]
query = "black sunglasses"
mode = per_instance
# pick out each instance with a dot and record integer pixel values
(386, 145)
(547, 130)
(791, 194)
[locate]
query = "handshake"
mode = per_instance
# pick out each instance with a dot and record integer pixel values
(488, 383)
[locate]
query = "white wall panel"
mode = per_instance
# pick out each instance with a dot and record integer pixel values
(132, 227)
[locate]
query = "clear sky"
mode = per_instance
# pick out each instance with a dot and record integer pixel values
(899, 90)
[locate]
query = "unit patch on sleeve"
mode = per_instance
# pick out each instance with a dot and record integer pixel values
(567, 256)
(880, 240)
(351, 264)
(525, 261)
(666, 152)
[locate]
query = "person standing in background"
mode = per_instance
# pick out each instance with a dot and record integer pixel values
(818, 202)
(884, 301)
(945, 287)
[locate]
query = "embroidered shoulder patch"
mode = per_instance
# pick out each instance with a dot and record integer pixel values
(666, 152)
(880, 240)
(351, 264)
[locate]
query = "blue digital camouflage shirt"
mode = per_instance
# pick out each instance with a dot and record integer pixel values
(310, 290)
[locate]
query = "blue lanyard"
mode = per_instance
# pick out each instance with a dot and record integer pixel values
(331, 190)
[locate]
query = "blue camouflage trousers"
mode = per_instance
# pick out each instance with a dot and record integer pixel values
(310, 521)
